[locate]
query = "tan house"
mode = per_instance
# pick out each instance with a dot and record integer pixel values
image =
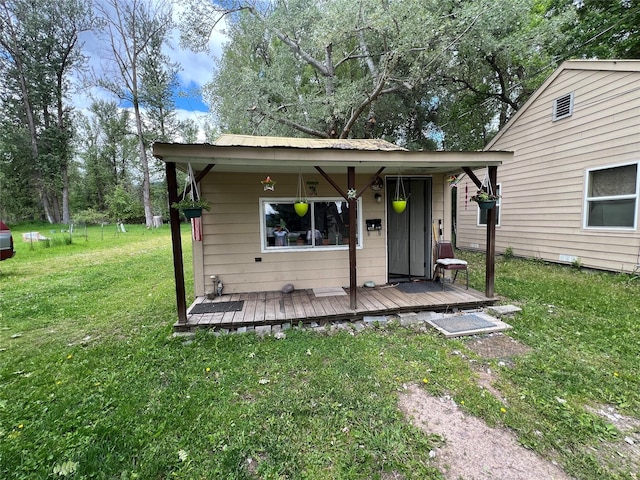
(252, 239)
(570, 193)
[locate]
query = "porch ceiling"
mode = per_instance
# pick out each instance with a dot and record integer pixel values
(239, 153)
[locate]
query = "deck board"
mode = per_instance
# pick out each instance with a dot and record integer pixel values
(272, 306)
(275, 307)
(317, 305)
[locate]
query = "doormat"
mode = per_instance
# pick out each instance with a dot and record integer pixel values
(217, 307)
(469, 324)
(419, 287)
(329, 292)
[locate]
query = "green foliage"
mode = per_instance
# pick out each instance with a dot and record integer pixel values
(18, 191)
(508, 253)
(123, 205)
(345, 49)
(90, 216)
(484, 196)
(40, 50)
(607, 29)
(507, 51)
(107, 152)
(187, 203)
(424, 74)
(136, 34)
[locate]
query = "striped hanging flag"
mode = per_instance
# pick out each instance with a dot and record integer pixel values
(196, 229)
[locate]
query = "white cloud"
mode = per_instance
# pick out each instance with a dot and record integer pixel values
(196, 69)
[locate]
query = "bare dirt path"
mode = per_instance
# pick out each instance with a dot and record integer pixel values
(472, 450)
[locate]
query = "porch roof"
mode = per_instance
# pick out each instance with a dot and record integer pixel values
(245, 153)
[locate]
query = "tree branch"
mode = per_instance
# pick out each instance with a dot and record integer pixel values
(302, 53)
(355, 114)
(289, 123)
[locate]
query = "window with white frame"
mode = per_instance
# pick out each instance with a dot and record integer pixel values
(324, 226)
(482, 213)
(563, 106)
(611, 199)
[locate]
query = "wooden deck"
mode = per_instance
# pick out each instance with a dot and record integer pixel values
(272, 308)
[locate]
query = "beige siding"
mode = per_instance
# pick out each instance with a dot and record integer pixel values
(232, 243)
(543, 186)
(231, 237)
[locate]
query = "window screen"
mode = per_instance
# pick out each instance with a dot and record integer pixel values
(612, 197)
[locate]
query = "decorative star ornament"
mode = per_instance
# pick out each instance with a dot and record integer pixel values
(268, 184)
(352, 193)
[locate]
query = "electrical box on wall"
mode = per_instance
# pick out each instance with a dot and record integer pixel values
(374, 224)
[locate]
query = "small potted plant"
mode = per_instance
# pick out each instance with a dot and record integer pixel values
(192, 208)
(486, 200)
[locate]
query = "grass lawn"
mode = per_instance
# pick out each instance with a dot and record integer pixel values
(94, 385)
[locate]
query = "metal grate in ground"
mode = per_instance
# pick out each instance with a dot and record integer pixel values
(467, 324)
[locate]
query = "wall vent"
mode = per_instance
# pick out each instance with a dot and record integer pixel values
(563, 106)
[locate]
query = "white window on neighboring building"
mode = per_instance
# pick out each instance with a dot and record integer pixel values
(324, 226)
(611, 197)
(482, 214)
(563, 107)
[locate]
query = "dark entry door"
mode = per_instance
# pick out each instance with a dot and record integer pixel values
(409, 232)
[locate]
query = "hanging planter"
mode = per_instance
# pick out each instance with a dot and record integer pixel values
(486, 200)
(301, 206)
(486, 205)
(191, 205)
(399, 202)
(192, 212)
(399, 205)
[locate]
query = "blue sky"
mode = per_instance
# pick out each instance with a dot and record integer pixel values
(191, 101)
(196, 69)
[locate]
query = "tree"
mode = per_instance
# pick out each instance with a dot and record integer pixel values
(392, 69)
(39, 49)
(320, 68)
(136, 30)
(602, 29)
(507, 53)
(159, 80)
(107, 149)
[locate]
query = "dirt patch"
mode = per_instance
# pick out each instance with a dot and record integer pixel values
(472, 450)
(497, 346)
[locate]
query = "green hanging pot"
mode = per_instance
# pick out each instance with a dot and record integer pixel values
(301, 208)
(486, 205)
(194, 212)
(399, 206)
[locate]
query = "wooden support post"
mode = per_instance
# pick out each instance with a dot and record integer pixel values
(353, 204)
(491, 238)
(353, 227)
(176, 243)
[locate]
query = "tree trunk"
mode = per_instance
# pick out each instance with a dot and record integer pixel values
(66, 214)
(46, 207)
(144, 162)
